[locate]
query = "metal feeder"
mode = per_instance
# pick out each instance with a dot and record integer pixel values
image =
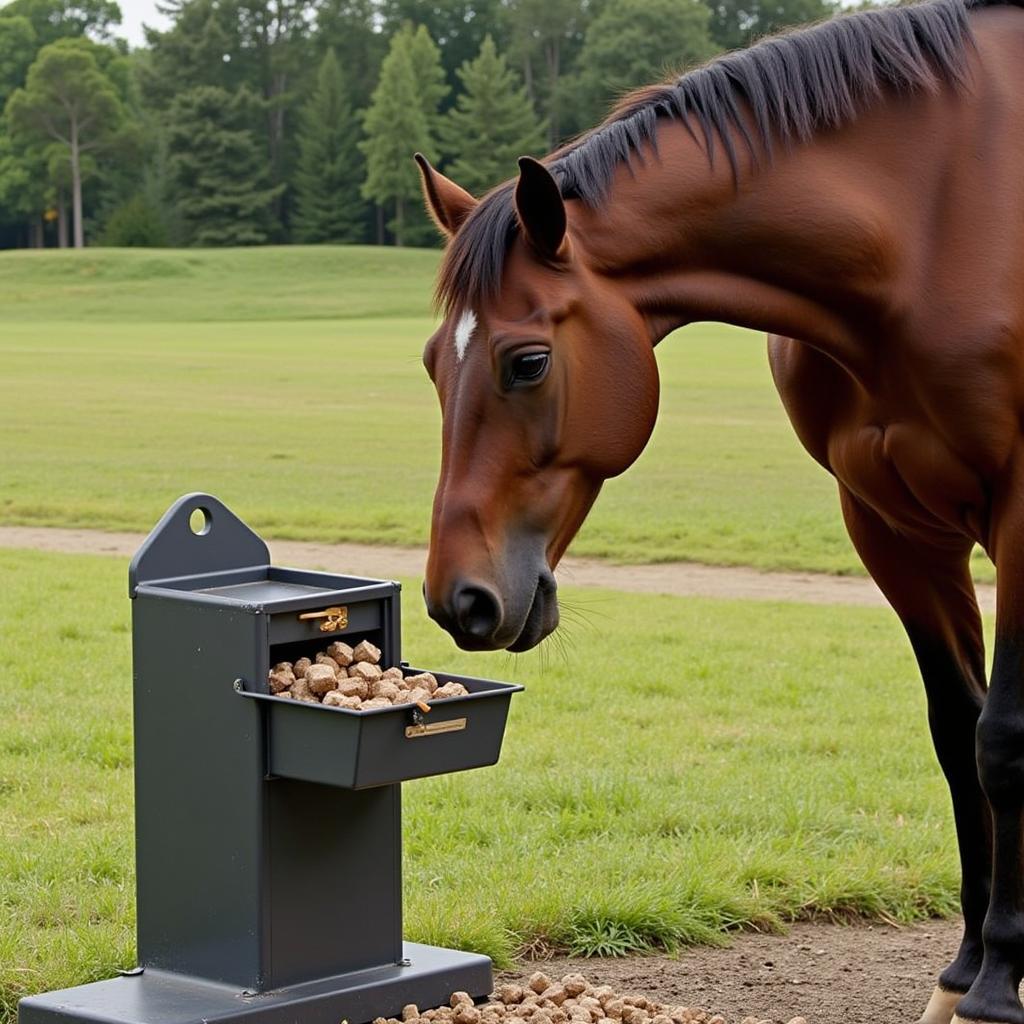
(268, 831)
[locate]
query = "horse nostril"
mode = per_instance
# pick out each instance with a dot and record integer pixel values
(477, 611)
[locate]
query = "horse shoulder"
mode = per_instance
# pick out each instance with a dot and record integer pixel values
(816, 392)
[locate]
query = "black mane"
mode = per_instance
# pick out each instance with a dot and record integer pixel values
(792, 84)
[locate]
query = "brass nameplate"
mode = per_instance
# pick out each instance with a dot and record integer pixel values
(434, 728)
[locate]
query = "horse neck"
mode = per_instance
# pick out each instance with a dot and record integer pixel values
(811, 246)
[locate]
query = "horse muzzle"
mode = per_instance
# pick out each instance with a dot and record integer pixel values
(480, 618)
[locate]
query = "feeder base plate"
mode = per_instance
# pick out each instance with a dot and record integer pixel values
(160, 997)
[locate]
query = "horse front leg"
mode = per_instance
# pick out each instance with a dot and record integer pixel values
(994, 996)
(930, 588)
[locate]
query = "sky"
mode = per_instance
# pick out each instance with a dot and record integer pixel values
(134, 13)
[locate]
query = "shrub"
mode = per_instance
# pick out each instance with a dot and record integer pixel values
(135, 223)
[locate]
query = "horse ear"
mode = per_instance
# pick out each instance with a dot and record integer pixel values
(448, 204)
(541, 208)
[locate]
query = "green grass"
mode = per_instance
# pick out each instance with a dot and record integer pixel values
(288, 382)
(156, 286)
(766, 763)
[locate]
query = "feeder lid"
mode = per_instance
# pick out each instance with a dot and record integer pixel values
(197, 535)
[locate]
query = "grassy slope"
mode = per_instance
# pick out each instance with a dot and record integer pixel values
(180, 285)
(288, 382)
(767, 762)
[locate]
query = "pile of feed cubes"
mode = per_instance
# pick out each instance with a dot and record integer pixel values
(351, 677)
(573, 1000)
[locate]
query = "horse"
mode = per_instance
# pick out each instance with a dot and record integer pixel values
(854, 190)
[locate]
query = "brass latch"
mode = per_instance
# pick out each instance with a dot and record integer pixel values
(334, 619)
(434, 728)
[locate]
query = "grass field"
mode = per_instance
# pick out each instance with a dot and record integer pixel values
(288, 382)
(155, 286)
(769, 762)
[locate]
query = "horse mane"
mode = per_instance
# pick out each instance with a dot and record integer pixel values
(791, 85)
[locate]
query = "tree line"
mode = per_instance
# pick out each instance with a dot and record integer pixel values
(271, 121)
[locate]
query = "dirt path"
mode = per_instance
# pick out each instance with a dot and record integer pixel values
(829, 974)
(682, 579)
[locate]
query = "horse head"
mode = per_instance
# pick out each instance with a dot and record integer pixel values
(548, 387)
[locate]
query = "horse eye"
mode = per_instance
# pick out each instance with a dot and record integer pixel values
(528, 368)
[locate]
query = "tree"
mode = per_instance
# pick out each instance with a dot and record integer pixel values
(17, 50)
(736, 23)
(457, 26)
(492, 123)
(428, 73)
(67, 19)
(634, 42)
(218, 168)
(275, 49)
(545, 36)
(67, 99)
(328, 204)
(22, 185)
(396, 126)
(263, 45)
(349, 28)
(432, 89)
(58, 177)
(198, 49)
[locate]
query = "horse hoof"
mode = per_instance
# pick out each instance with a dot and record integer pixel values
(1004, 1015)
(940, 1007)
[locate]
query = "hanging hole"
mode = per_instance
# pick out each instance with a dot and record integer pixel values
(199, 521)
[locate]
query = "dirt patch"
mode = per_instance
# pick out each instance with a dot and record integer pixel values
(830, 974)
(680, 579)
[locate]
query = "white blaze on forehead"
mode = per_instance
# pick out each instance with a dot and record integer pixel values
(464, 332)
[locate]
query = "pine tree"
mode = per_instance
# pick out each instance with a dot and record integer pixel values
(351, 28)
(428, 71)
(491, 125)
(461, 24)
(190, 53)
(329, 207)
(396, 126)
(218, 169)
(431, 88)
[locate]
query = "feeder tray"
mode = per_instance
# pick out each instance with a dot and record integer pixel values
(268, 831)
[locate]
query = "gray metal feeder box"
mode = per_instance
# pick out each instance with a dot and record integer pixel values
(268, 831)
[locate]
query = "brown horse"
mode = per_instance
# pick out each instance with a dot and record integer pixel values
(858, 186)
